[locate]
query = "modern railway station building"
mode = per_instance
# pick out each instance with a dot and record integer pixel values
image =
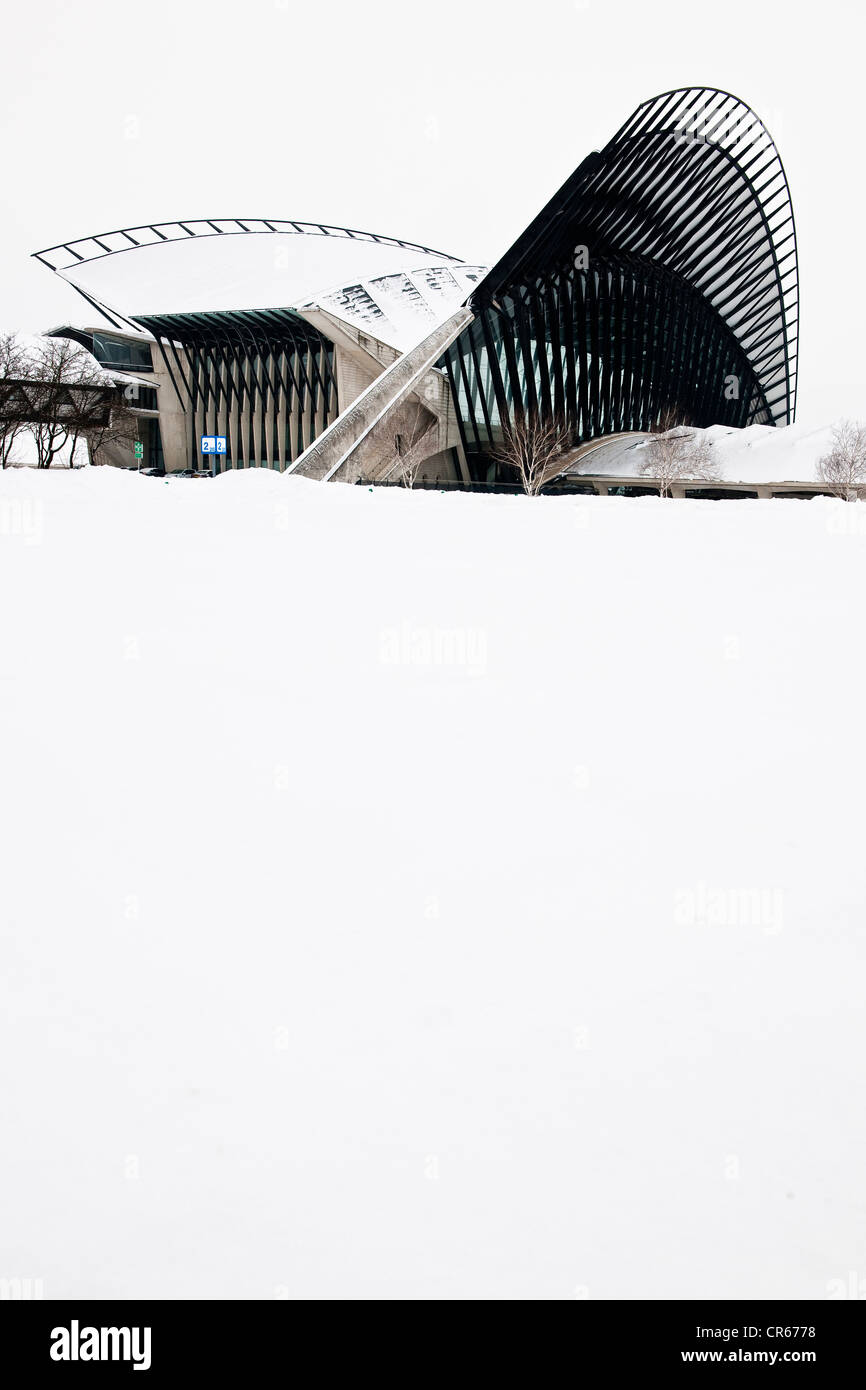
(662, 277)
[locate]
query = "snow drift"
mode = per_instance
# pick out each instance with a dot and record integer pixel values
(423, 896)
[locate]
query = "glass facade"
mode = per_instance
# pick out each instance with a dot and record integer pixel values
(149, 431)
(119, 352)
(139, 397)
(602, 350)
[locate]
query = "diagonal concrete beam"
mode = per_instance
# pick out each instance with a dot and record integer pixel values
(361, 437)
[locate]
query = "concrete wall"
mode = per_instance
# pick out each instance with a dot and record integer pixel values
(173, 423)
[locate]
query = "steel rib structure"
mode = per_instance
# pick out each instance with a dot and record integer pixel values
(266, 375)
(662, 277)
(68, 254)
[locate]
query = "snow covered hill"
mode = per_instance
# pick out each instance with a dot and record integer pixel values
(410, 895)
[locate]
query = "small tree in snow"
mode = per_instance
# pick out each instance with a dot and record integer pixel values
(103, 429)
(845, 465)
(411, 444)
(676, 454)
(535, 449)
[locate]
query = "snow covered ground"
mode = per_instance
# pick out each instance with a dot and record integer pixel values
(409, 895)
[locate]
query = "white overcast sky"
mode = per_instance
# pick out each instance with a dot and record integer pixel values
(449, 124)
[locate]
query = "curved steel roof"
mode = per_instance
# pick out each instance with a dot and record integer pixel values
(68, 254)
(692, 182)
(224, 264)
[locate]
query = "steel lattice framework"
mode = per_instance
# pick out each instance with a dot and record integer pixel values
(662, 276)
(68, 254)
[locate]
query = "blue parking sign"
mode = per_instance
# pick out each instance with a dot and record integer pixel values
(208, 444)
(220, 443)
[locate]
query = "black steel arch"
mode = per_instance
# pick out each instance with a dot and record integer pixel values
(662, 274)
(93, 248)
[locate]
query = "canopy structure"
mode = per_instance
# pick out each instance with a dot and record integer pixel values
(223, 264)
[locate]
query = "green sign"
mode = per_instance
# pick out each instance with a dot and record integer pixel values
(139, 449)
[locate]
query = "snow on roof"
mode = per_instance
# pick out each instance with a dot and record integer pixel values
(120, 378)
(401, 309)
(87, 326)
(757, 454)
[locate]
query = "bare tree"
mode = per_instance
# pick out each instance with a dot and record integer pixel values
(675, 453)
(118, 426)
(12, 369)
(845, 465)
(535, 449)
(69, 397)
(410, 445)
(58, 394)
